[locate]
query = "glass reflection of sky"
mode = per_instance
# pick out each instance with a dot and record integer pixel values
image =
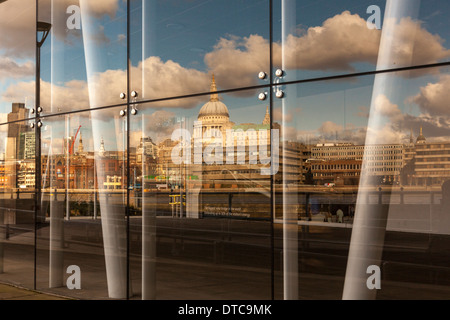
(186, 31)
(183, 31)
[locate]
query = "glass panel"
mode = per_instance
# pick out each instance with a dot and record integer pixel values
(360, 194)
(84, 60)
(17, 194)
(325, 38)
(17, 59)
(200, 200)
(177, 45)
(84, 198)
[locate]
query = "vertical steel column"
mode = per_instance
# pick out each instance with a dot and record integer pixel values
(272, 189)
(37, 184)
(56, 241)
(290, 219)
(56, 254)
(148, 253)
(67, 196)
(95, 190)
(148, 248)
(127, 146)
(38, 179)
(148, 210)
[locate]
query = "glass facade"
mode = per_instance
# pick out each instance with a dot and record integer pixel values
(219, 150)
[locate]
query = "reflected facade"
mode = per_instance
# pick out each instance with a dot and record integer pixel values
(261, 150)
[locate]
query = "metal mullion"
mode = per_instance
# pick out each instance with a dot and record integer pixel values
(127, 210)
(37, 159)
(272, 197)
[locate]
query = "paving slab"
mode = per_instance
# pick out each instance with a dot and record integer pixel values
(10, 292)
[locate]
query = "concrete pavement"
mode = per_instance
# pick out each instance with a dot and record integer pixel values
(231, 262)
(10, 292)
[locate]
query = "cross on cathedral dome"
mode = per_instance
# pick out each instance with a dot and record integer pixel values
(214, 107)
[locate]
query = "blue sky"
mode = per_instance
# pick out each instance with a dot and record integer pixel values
(211, 36)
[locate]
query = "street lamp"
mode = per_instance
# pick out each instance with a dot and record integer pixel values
(42, 31)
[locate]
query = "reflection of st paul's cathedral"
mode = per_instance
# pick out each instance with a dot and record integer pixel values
(243, 149)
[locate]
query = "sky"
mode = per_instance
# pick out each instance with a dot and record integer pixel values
(176, 46)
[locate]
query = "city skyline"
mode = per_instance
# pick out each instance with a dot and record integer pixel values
(330, 154)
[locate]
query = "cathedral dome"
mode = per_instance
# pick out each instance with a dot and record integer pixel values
(213, 107)
(421, 138)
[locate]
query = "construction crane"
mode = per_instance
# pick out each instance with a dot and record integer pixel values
(74, 139)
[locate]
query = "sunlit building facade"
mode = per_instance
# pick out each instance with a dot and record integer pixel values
(384, 161)
(283, 150)
(432, 164)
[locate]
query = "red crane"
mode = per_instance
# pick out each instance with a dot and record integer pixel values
(74, 139)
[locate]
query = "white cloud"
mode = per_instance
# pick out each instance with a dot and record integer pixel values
(339, 43)
(330, 128)
(121, 37)
(18, 19)
(71, 96)
(385, 108)
(172, 80)
(160, 125)
(3, 119)
(99, 8)
(18, 92)
(388, 134)
(435, 119)
(435, 128)
(287, 117)
(11, 69)
(363, 112)
(327, 132)
(99, 37)
(434, 98)
(18, 25)
(169, 79)
(412, 44)
(345, 39)
(237, 61)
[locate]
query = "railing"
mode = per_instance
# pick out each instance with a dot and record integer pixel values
(289, 196)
